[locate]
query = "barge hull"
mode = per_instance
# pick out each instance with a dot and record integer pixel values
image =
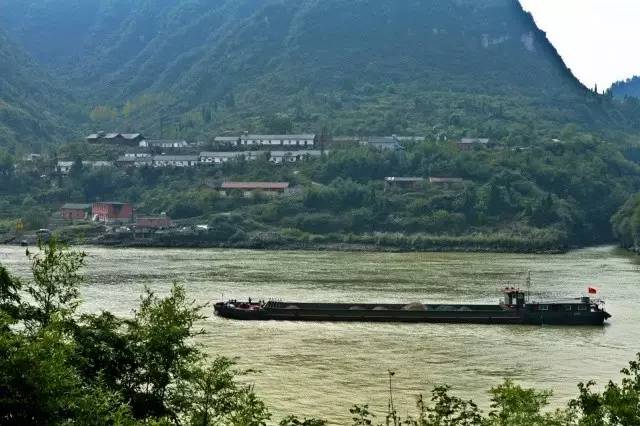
(483, 316)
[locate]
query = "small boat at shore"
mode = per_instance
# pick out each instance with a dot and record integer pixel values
(513, 309)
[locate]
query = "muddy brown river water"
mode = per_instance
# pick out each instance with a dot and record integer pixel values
(321, 369)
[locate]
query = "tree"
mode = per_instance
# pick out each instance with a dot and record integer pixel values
(618, 404)
(513, 405)
(7, 166)
(294, 421)
(55, 284)
(77, 169)
(162, 330)
(279, 124)
(9, 295)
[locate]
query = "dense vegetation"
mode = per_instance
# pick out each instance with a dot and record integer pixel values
(440, 69)
(626, 224)
(58, 367)
(33, 110)
(629, 87)
(526, 194)
(357, 67)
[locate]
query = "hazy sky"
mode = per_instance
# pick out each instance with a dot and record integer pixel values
(598, 39)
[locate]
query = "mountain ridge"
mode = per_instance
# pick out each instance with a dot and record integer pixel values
(353, 66)
(629, 87)
(33, 110)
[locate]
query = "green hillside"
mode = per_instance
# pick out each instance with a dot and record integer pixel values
(629, 87)
(563, 158)
(626, 223)
(33, 110)
(362, 66)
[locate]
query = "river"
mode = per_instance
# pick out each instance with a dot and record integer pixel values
(321, 369)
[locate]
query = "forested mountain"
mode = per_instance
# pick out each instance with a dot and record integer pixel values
(32, 109)
(629, 87)
(355, 66)
(626, 223)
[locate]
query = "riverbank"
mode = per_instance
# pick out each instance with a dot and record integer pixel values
(480, 242)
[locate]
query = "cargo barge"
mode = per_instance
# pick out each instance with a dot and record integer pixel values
(513, 309)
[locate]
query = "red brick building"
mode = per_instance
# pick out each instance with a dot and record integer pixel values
(71, 211)
(154, 222)
(112, 212)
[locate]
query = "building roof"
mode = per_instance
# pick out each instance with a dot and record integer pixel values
(166, 142)
(255, 185)
(131, 136)
(382, 139)
(228, 154)
(445, 179)
(280, 137)
(482, 141)
(312, 153)
(403, 179)
(102, 135)
(226, 138)
(176, 158)
(76, 206)
(111, 203)
(98, 163)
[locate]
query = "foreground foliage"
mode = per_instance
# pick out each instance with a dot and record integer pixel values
(60, 368)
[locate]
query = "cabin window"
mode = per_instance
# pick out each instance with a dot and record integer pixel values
(543, 308)
(582, 308)
(567, 307)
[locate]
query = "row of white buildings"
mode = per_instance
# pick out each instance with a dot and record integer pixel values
(300, 140)
(306, 140)
(204, 158)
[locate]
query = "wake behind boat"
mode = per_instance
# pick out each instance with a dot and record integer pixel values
(513, 309)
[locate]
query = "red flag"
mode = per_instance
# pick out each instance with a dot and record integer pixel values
(592, 290)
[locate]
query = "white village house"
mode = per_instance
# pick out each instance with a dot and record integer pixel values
(212, 158)
(64, 167)
(175, 161)
(308, 140)
(164, 143)
(280, 157)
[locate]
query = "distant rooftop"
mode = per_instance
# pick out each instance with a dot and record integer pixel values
(255, 185)
(176, 158)
(403, 179)
(76, 206)
(433, 179)
(282, 137)
(482, 141)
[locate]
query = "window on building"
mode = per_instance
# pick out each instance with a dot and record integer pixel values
(543, 308)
